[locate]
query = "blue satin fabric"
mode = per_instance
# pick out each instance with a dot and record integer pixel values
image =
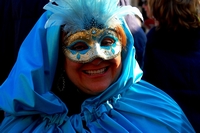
(128, 105)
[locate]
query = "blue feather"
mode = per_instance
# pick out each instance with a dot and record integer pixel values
(79, 15)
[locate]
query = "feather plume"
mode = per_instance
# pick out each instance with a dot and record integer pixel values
(77, 15)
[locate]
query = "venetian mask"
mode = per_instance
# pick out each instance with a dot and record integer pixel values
(86, 45)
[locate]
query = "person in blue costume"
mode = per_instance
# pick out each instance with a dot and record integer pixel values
(76, 72)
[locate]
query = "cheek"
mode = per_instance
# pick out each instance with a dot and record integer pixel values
(71, 67)
(117, 61)
(117, 66)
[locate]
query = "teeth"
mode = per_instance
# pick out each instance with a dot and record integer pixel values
(96, 71)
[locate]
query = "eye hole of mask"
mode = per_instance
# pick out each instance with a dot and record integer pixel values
(107, 41)
(79, 46)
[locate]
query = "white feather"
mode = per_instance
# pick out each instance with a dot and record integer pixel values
(77, 15)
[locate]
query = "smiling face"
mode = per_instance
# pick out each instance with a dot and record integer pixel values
(99, 62)
(95, 76)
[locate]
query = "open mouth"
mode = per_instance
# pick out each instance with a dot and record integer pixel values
(100, 71)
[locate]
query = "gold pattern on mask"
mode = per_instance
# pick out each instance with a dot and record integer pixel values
(88, 35)
(85, 35)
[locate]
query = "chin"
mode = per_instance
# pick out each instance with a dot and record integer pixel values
(96, 91)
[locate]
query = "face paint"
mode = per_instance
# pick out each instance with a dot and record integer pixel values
(85, 46)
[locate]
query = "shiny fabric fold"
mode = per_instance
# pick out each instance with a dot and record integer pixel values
(28, 84)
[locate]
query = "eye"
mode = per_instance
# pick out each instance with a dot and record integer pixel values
(107, 42)
(79, 46)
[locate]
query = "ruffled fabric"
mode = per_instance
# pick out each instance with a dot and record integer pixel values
(128, 105)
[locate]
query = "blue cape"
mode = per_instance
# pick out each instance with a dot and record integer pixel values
(128, 105)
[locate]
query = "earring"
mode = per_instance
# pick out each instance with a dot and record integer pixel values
(61, 82)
